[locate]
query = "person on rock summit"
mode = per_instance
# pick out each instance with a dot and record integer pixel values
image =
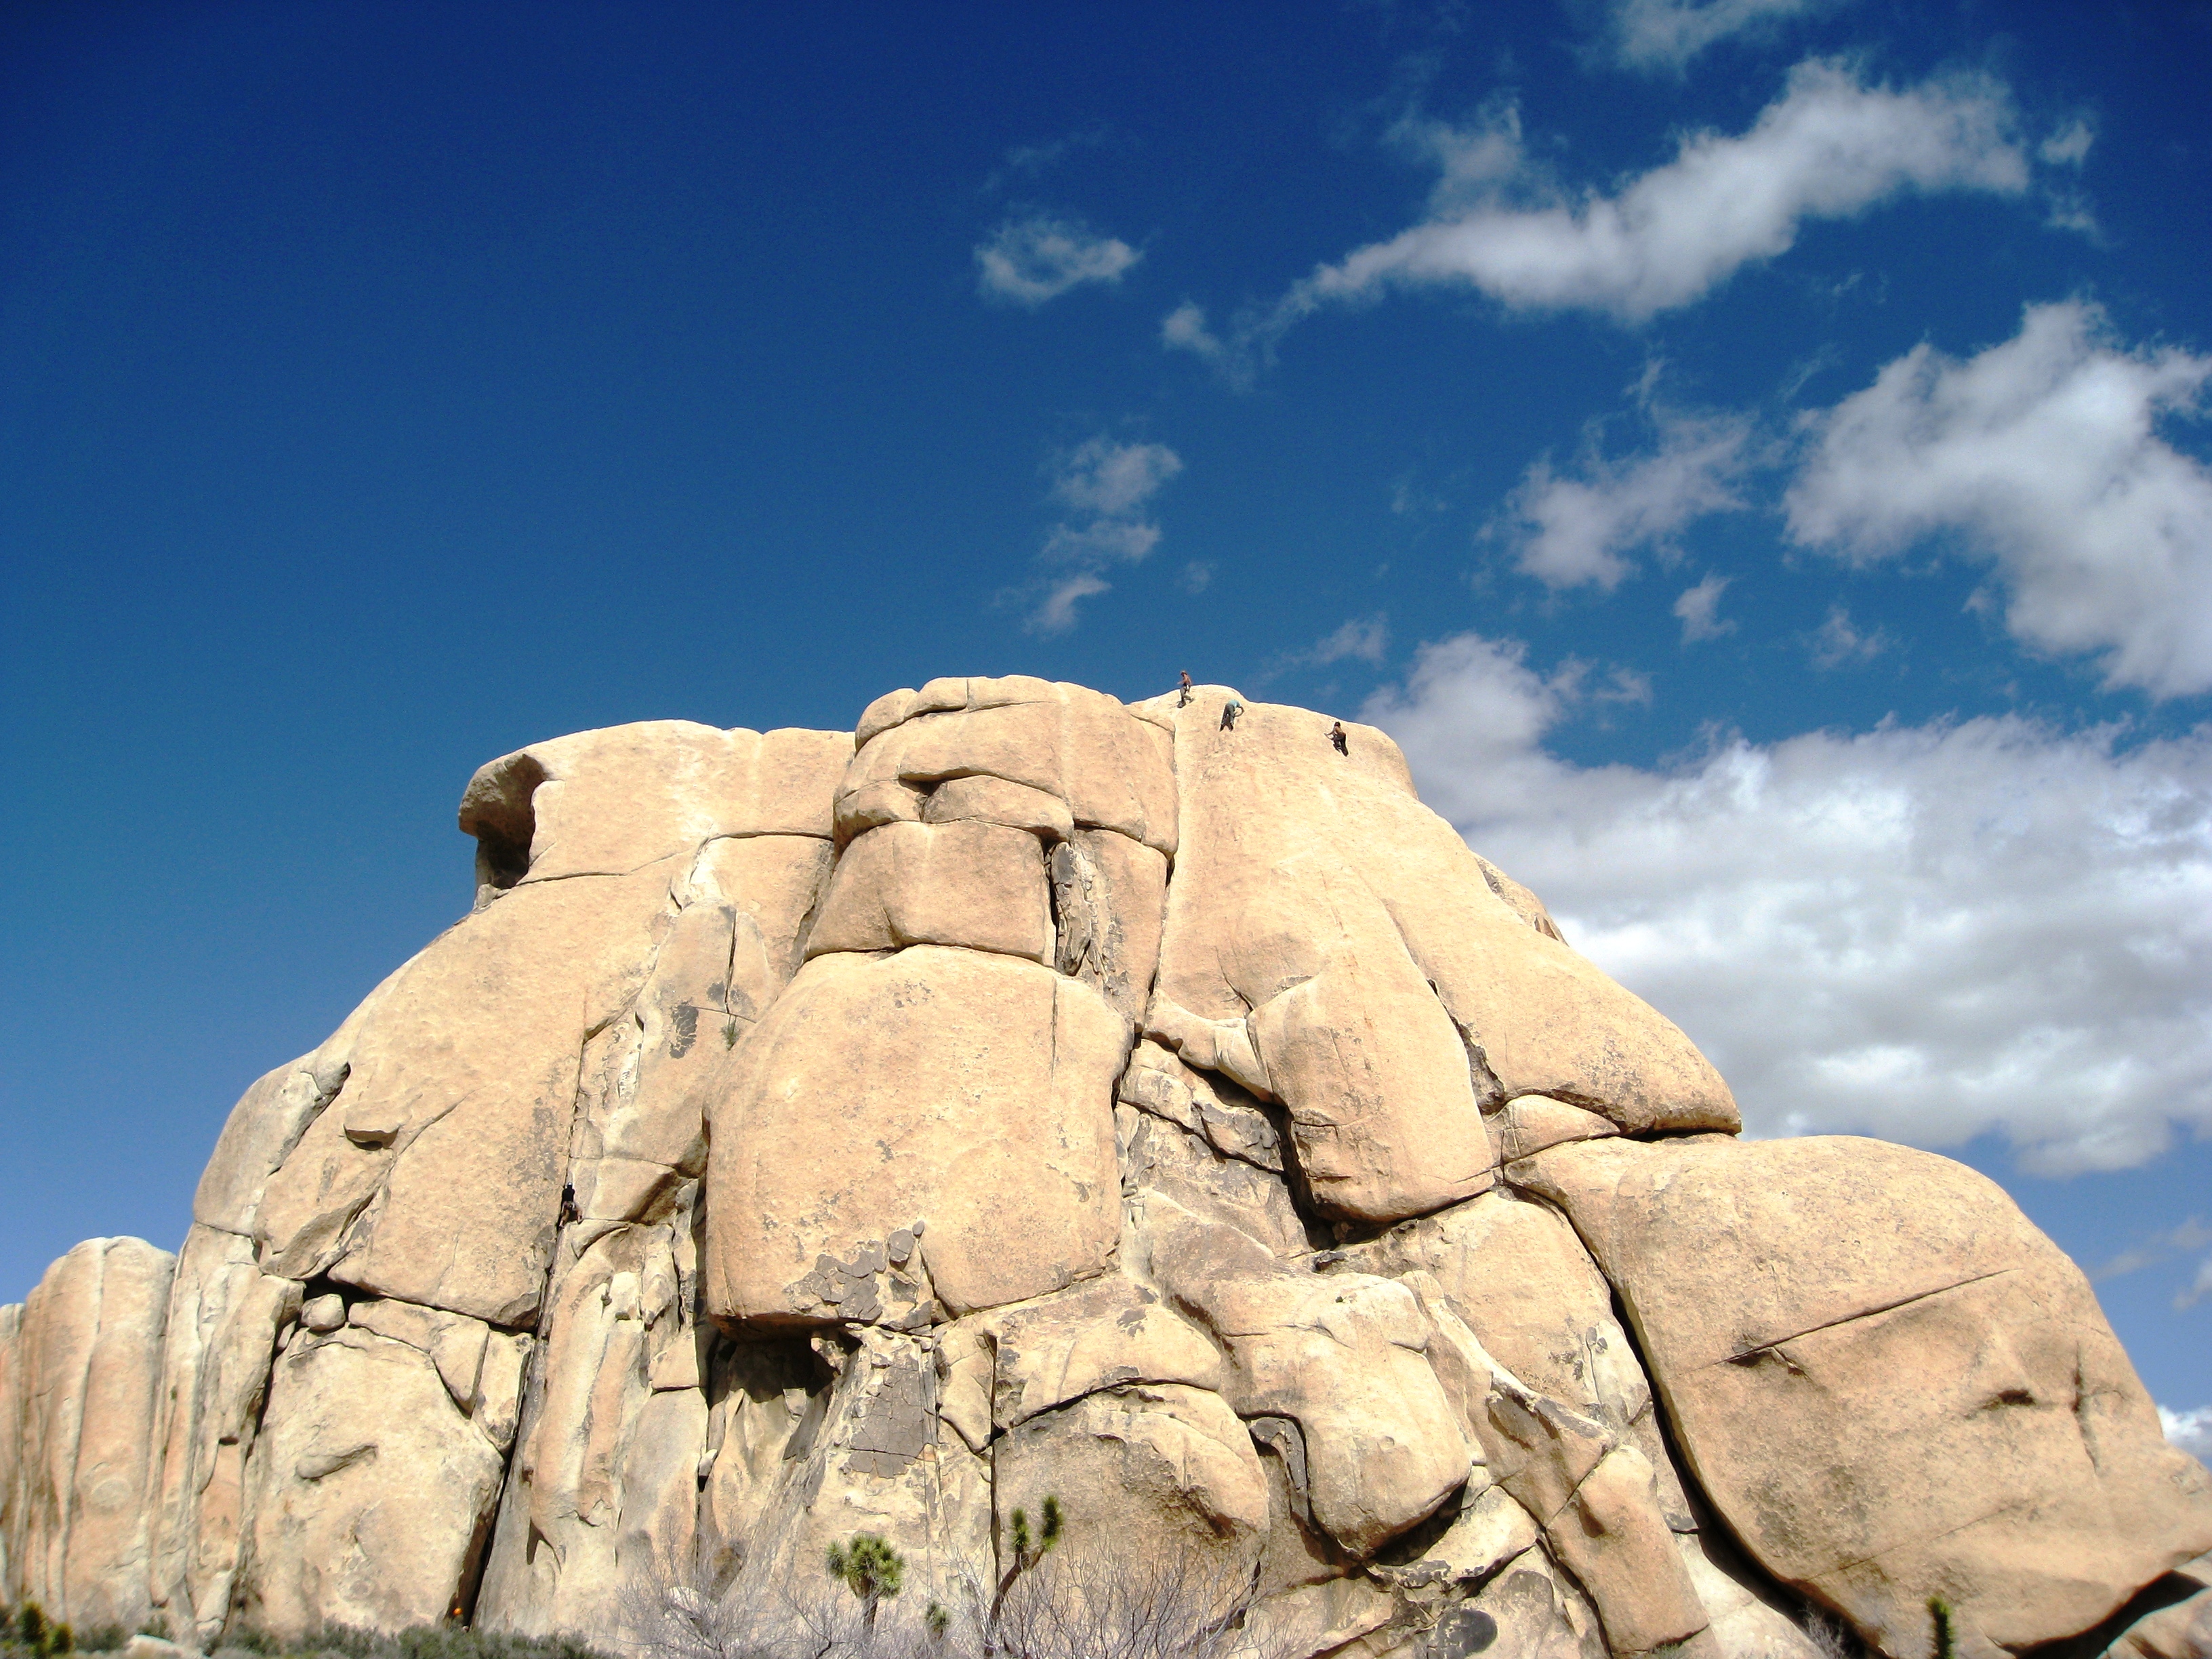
(1230, 711)
(1337, 737)
(1182, 700)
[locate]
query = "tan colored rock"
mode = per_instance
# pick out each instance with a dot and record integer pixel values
(1109, 897)
(1748, 1617)
(1342, 1356)
(765, 1399)
(1159, 1158)
(269, 1119)
(370, 1489)
(435, 1175)
(84, 1372)
(1613, 1540)
(604, 1484)
(1525, 1126)
(983, 800)
(870, 1458)
(1231, 1121)
(981, 885)
(1100, 1334)
(1321, 1617)
(1292, 856)
(219, 1338)
(1137, 1469)
(1888, 1382)
(1528, 1611)
(1519, 900)
(612, 801)
(1114, 771)
(970, 1093)
(1514, 1271)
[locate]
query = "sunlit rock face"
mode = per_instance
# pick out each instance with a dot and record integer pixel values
(1152, 1107)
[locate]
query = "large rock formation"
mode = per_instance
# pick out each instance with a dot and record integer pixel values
(1031, 1097)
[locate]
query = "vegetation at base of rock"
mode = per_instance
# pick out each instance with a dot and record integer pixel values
(1078, 1604)
(870, 1568)
(1939, 1610)
(446, 1641)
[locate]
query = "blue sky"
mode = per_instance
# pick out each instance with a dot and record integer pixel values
(1751, 453)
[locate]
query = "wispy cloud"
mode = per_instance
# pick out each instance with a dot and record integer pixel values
(1924, 933)
(1578, 528)
(1665, 34)
(1105, 485)
(1037, 257)
(1362, 639)
(2041, 456)
(2191, 1235)
(1837, 642)
(1829, 147)
(1699, 607)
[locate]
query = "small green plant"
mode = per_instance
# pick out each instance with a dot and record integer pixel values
(1946, 1637)
(41, 1634)
(729, 1034)
(871, 1569)
(937, 1621)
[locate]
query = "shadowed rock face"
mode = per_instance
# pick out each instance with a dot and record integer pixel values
(1031, 1096)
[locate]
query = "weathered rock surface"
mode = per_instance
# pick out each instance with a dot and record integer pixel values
(1030, 1096)
(1890, 1383)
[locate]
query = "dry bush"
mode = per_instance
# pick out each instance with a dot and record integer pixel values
(1074, 1604)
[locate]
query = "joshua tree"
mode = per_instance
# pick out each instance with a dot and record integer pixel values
(870, 1568)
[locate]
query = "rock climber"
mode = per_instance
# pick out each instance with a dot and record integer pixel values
(1230, 711)
(1183, 700)
(1336, 736)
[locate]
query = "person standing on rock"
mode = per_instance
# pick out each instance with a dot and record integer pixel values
(1230, 711)
(1182, 700)
(1336, 736)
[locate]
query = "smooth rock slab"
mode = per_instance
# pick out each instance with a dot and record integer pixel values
(1890, 1384)
(969, 1091)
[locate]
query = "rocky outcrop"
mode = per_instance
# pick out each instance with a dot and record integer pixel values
(1148, 1112)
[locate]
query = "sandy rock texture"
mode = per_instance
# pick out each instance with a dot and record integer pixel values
(1032, 1102)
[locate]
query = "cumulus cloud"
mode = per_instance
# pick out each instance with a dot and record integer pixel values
(1665, 34)
(1036, 258)
(1924, 933)
(2041, 456)
(2191, 1430)
(1829, 147)
(1699, 610)
(1106, 485)
(1568, 531)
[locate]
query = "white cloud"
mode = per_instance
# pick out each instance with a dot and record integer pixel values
(1828, 148)
(2191, 1430)
(1107, 484)
(2069, 146)
(1665, 34)
(1923, 932)
(1699, 609)
(1362, 639)
(2040, 455)
(1111, 478)
(1837, 642)
(1036, 257)
(2191, 1235)
(2199, 1288)
(1570, 530)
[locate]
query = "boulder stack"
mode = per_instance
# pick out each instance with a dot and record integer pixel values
(1029, 1096)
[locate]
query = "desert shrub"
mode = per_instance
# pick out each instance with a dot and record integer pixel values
(103, 1638)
